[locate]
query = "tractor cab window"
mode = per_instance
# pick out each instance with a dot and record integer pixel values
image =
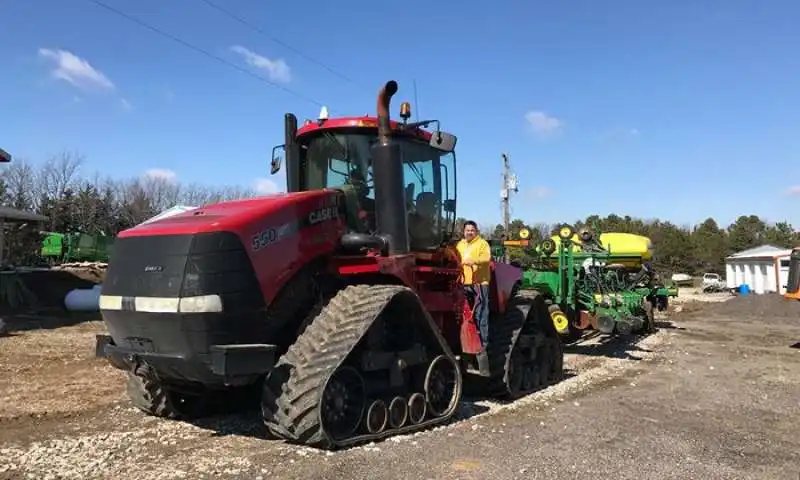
(332, 160)
(429, 177)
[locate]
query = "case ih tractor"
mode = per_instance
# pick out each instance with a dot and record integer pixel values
(340, 300)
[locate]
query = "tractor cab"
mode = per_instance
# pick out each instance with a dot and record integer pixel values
(337, 153)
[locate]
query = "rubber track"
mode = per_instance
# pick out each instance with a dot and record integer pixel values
(147, 394)
(503, 334)
(504, 337)
(292, 393)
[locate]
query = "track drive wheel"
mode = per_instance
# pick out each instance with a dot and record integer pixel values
(148, 394)
(525, 352)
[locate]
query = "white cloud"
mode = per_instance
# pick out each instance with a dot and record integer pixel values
(541, 192)
(793, 190)
(161, 174)
(276, 69)
(126, 105)
(543, 124)
(72, 69)
(265, 186)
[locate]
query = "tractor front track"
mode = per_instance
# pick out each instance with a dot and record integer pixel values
(370, 365)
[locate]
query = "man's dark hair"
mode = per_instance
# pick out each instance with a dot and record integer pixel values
(470, 222)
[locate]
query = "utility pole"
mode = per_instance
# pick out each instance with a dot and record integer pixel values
(509, 185)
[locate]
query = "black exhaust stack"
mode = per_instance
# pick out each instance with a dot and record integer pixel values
(387, 172)
(292, 153)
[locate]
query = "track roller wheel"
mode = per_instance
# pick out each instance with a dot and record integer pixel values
(417, 408)
(377, 417)
(398, 412)
(442, 385)
(148, 394)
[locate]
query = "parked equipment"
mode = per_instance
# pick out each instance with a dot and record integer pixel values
(76, 247)
(595, 281)
(342, 297)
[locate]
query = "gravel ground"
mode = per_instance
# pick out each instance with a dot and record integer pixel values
(714, 394)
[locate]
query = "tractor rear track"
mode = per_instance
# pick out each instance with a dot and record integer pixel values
(521, 321)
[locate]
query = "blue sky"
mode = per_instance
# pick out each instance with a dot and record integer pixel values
(653, 109)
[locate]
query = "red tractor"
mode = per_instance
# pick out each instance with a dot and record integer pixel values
(341, 300)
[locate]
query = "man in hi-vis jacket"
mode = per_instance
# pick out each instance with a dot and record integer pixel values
(475, 258)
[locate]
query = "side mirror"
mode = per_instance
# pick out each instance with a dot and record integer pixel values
(276, 159)
(449, 206)
(443, 141)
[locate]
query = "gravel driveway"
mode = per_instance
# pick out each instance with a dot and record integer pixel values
(714, 394)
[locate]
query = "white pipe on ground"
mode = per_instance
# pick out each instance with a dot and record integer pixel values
(83, 299)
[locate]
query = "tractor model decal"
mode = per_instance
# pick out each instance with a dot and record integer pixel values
(323, 214)
(269, 236)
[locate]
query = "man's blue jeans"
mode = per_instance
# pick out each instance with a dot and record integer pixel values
(478, 297)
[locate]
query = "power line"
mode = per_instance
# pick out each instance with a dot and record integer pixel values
(201, 51)
(276, 40)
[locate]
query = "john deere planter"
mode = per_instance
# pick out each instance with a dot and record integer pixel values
(594, 281)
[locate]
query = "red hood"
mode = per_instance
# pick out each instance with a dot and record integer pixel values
(226, 215)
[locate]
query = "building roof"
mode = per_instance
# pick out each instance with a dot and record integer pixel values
(5, 157)
(764, 251)
(13, 215)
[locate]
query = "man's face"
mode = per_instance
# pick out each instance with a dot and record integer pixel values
(470, 232)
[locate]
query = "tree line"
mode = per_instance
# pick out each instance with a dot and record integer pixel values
(105, 206)
(677, 248)
(75, 203)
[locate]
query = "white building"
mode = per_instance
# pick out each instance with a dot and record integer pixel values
(764, 269)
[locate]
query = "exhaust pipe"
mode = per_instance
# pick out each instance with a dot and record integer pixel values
(292, 151)
(384, 99)
(387, 173)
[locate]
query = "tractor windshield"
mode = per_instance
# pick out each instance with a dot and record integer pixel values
(336, 159)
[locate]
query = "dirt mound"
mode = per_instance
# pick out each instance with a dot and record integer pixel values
(767, 305)
(94, 272)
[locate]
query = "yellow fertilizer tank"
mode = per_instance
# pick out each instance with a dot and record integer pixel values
(626, 248)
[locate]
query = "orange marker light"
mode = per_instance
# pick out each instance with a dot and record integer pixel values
(405, 110)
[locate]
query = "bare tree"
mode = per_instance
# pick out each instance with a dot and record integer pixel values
(60, 172)
(21, 185)
(162, 193)
(196, 195)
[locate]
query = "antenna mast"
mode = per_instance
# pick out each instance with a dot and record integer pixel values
(416, 101)
(509, 185)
